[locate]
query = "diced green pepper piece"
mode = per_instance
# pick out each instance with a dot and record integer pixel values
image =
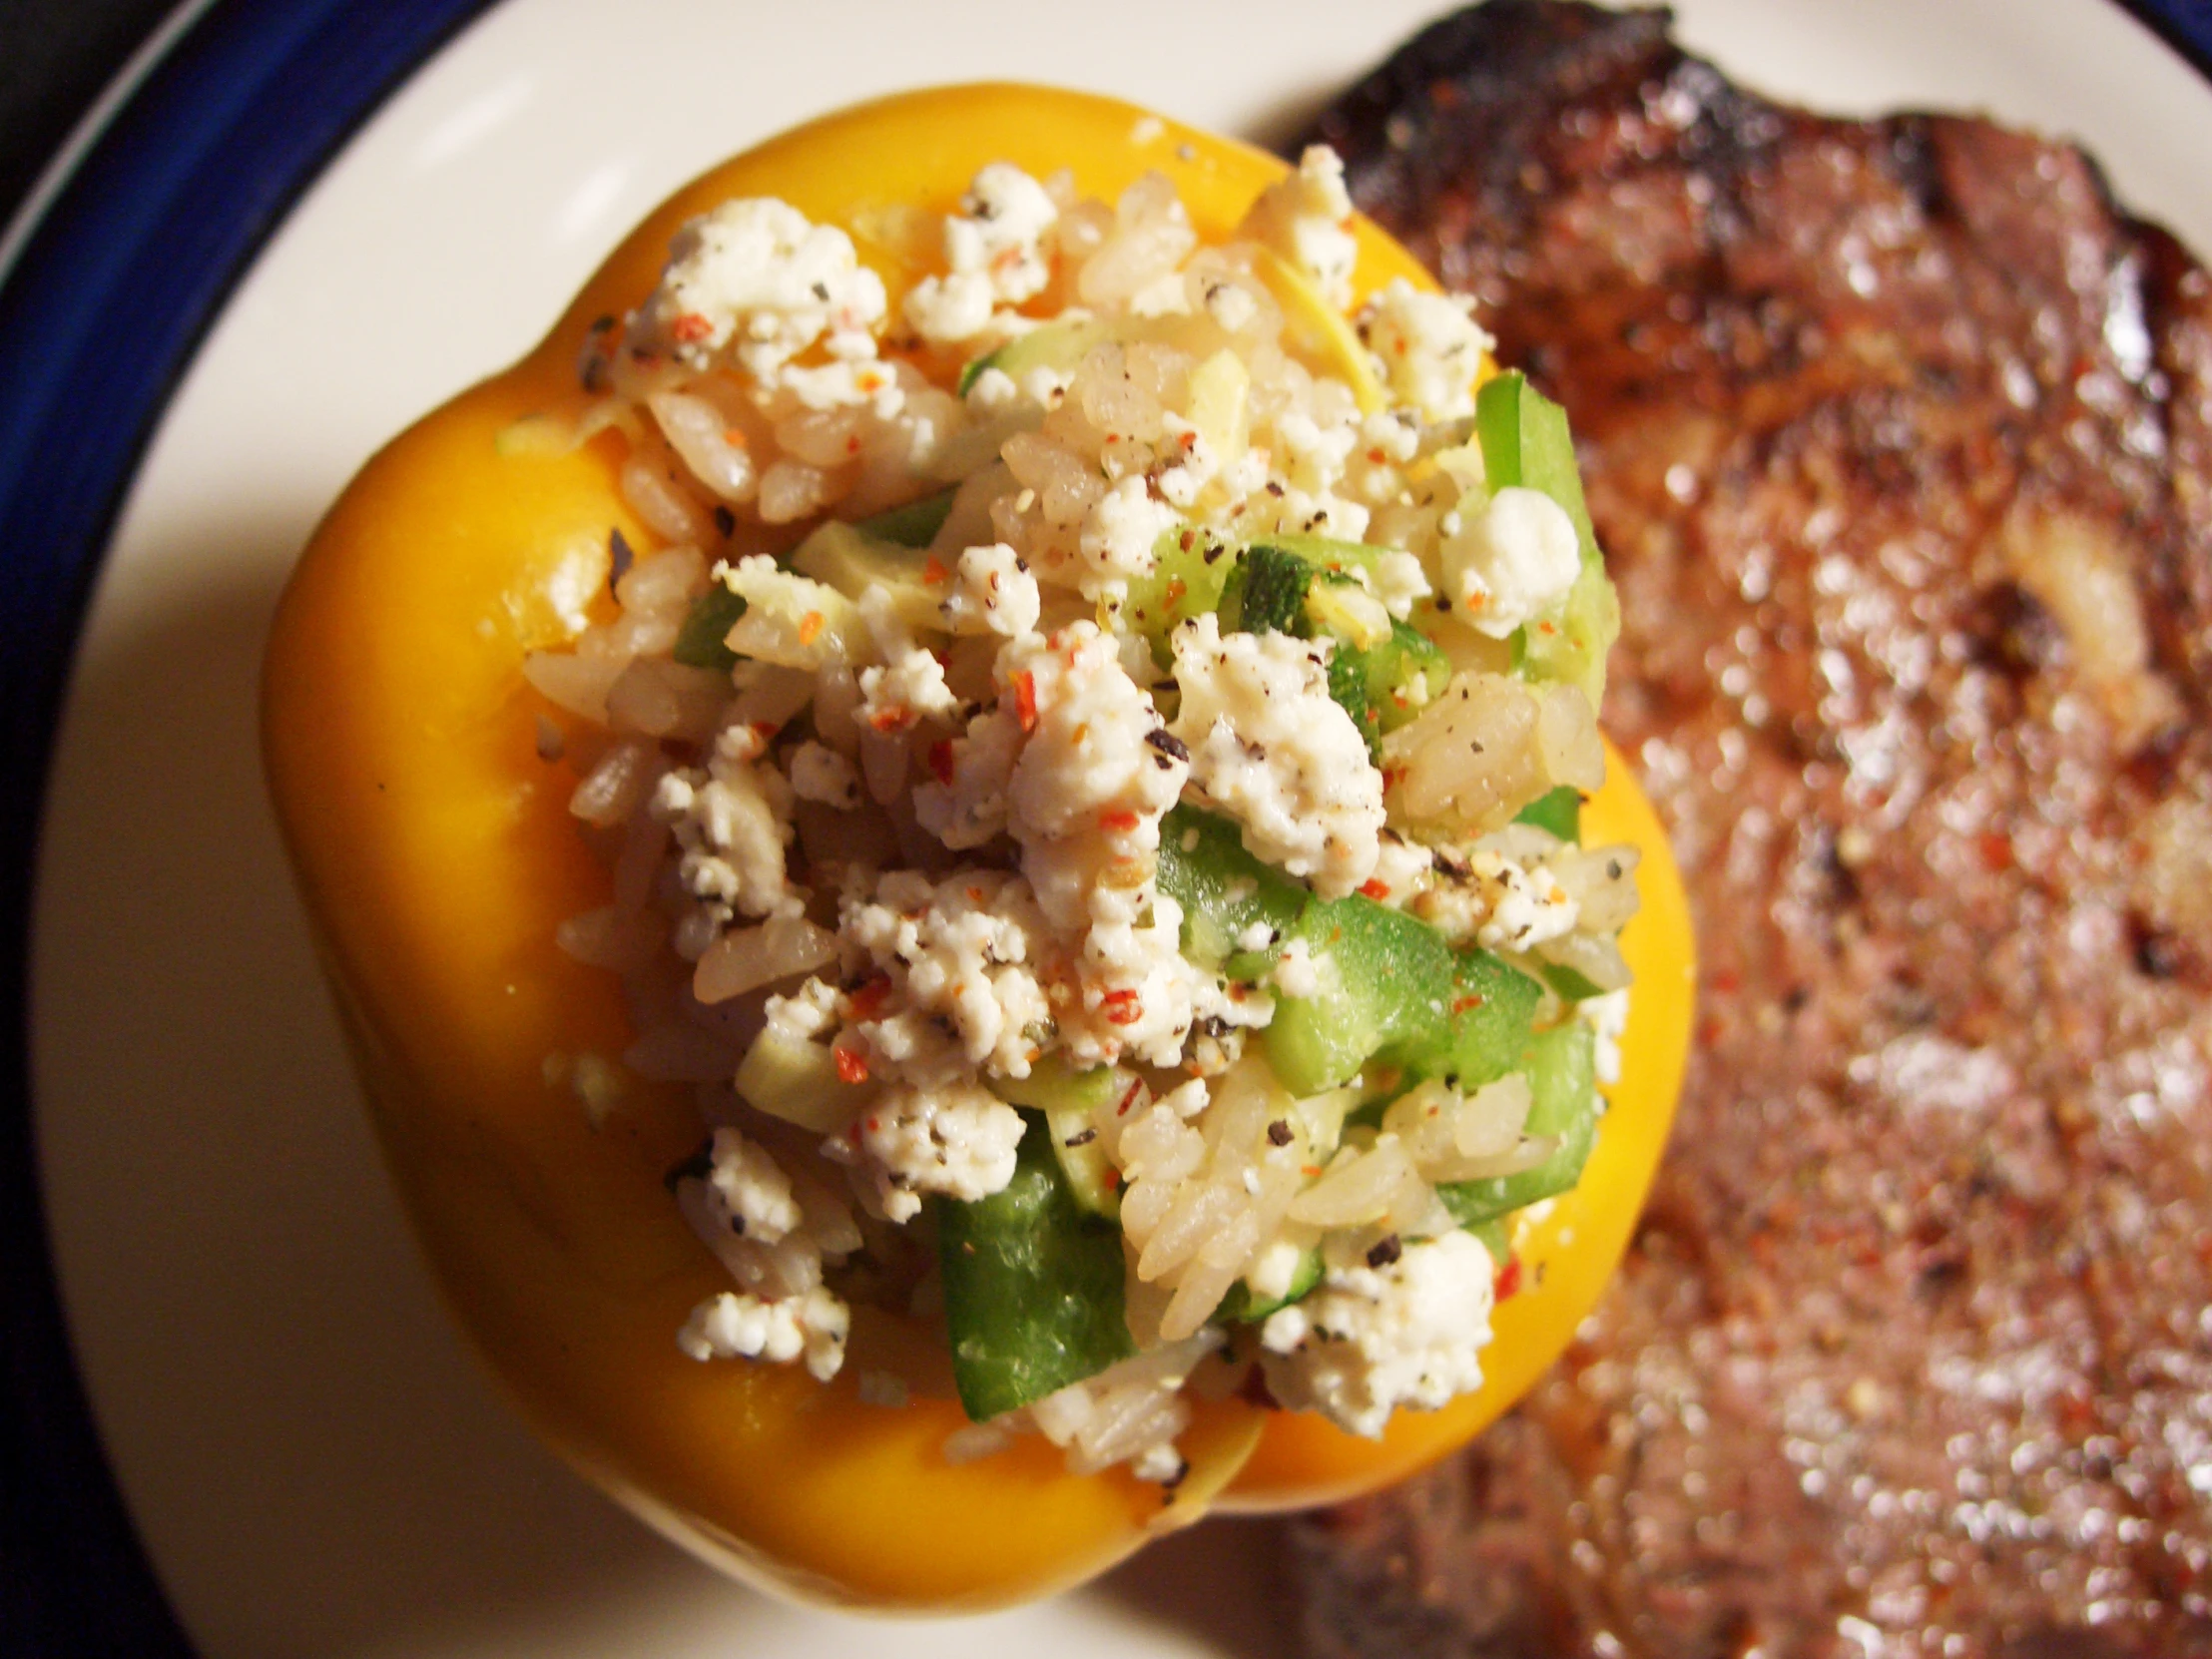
(1563, 1081)
(913, 525)
(1070, 1101)
(1032, 1286)
(1570, 983)
(698, 642)
(1525, 442)
(1386, 983)
(1223, 891)
(1393, 991)
(1190, 570)
(1557, 811)
(1327, 552)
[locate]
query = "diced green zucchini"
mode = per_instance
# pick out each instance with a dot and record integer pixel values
(1271, 597)
(1070, 1102)
(1059, 347)
(1191, 569)
(913, 525)
(1562, 1079)
(1572, 984)
(1032, 1286)
(1388, 683)
(1224, 892)
(1572, 650)
(1557, 811)
(700, 641)
(853, 561)
(797, 1081)
(1241, 1306)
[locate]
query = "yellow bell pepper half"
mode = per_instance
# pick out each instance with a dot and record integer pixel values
(436, 857)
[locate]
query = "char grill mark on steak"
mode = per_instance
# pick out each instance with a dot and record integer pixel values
(1899, 435)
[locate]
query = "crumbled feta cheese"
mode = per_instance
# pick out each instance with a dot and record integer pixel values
(1120, 534)
(747, 1189)
(1371, 1340)
(1090, 786)
(1307, 218)
(958, 1140)
(1429, 346)
(1497, 902)
(960, 960)
(909, 684)
(993, 592)
(1607, 1016)
(1299, 972)
(965, 804)
(994, 248)
(759, 278)
(731, 822)
(821, 774)
(1400, 582)
(1511, 562)
(1269, 747)
(738, 1325)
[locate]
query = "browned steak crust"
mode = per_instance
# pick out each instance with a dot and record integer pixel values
(1899, 436)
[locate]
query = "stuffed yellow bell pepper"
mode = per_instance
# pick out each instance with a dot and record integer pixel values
(965, 815)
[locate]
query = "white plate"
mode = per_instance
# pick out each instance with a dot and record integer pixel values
(314, 1464)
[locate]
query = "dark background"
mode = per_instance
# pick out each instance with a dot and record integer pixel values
(55, 56)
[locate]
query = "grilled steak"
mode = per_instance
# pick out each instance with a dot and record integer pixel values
(1899, 436)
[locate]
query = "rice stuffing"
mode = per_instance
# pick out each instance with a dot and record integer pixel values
(1094, 755)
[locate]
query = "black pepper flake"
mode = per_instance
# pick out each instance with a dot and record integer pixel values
(1384, 1251)
(726, 521)
(696, 1167)
(1167, 743)
(1083, 1139)
(1279, 1133)
(822, 293)
(618, 550)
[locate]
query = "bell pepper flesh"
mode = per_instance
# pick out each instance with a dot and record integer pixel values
(436, 857)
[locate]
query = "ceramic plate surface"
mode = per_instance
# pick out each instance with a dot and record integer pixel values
(313, 1462)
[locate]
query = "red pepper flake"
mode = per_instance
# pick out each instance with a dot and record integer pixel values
(868, 1001)
(1173, 591)
(1508, 1283)
(734, 438)
(1375, 457)
(1547, 627)
(1309, 1171)
(1119, 821)
(934, 572)
(1129, 1098)
(851, 1068)
(690, 328)
(810, 627)
(1123, 1006)
(1025, 700)
(852, 444)
(1374, 888)
(1112, 1179)
(765, 729)
(975, 896)
(892, 719)
(1466, 1002)
(940, 759)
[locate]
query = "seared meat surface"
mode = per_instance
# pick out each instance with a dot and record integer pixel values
(1899, 435)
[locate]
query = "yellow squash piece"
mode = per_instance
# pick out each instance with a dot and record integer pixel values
(436, 857)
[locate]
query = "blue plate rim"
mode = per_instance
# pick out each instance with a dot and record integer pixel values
(156, 208)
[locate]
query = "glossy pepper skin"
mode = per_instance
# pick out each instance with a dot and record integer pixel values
(436, 857)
